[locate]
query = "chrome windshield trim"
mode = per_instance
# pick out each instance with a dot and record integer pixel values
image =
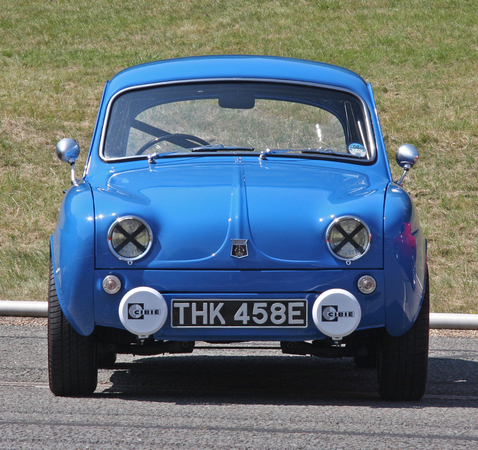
(370, 135)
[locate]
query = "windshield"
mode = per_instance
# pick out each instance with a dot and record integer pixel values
(239, 117)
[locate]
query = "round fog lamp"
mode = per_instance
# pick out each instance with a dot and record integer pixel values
(367, 284)
(111, 284)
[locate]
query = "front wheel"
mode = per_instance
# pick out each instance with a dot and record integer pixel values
(403, 360)
(72, 362)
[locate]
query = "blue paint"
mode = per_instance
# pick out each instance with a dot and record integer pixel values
(282, 204)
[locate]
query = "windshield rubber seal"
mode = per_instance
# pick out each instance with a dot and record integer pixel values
(369, 124)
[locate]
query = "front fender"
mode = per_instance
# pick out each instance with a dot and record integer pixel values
(405, 259)
(72, 256)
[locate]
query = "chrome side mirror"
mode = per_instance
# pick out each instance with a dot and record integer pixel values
(68, 151)
(407, 157)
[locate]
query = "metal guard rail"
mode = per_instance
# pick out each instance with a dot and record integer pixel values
(437, 320)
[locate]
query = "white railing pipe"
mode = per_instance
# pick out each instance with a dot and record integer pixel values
(454, 321)
(437, 320)
(23, 308)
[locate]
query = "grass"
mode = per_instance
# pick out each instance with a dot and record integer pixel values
(419, 55)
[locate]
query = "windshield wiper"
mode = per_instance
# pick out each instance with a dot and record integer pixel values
(204, 148)
(328, 151)
(152, 157)
(320, 151)
(220, 148)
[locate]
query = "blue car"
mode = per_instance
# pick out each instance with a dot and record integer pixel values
(238, 198)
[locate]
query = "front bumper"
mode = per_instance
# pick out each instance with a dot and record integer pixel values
(237, 286)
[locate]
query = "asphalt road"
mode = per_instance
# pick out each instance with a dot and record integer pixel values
(242, 399)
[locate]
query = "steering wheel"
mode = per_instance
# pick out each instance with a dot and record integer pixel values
(183, 140)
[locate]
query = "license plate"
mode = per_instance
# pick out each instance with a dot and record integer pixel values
(239, 313)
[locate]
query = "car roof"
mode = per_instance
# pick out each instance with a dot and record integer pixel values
(238, 67)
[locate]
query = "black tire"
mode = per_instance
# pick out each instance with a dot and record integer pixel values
(403, 360)
(72, 366)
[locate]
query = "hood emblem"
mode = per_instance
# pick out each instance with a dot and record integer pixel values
(239, 248)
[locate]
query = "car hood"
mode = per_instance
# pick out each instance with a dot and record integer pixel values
(197, 206)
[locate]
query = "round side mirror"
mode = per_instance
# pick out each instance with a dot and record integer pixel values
(68, 150)
(407, 156)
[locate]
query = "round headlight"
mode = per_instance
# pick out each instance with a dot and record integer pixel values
(348, 238)
(129, 238)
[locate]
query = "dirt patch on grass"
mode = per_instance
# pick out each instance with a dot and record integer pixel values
(454, 333)
(24, 321)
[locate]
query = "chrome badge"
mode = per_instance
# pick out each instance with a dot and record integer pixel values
(239, 248)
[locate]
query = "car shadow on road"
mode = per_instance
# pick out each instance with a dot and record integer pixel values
(278, 380)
